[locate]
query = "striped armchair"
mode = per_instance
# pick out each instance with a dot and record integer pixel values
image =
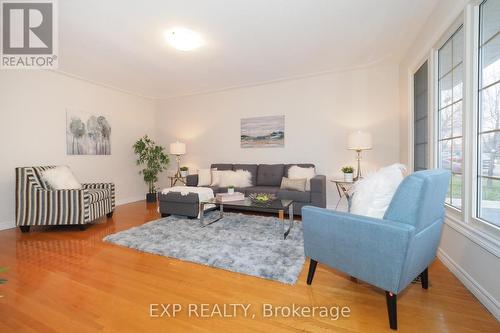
(38, 204)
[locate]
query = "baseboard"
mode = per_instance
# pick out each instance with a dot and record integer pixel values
(124, 201)
(470, 283)
(7, 225)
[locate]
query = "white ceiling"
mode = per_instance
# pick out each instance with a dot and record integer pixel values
(120, 43)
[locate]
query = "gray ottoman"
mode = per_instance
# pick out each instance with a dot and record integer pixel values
(174, 203)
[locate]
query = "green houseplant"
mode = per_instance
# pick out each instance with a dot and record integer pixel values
(348, 173)
(230, 189)
(154, 160)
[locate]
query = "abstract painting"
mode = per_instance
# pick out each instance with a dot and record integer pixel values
(263, 132)
(87, 134)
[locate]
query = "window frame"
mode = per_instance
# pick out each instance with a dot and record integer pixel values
(481, 233)
(475, 72)
(459, 23)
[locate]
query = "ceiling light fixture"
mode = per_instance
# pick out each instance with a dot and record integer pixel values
(183, 39)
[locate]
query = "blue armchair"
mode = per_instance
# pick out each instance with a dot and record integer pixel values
(388, 253)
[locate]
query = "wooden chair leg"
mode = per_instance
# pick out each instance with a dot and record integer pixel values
(391, 300)
(424, 277)
(312, 269)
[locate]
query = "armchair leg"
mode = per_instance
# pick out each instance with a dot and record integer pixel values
(110, 214)
(24, 228)
(424, 277)
(391, 300)
(312, 268)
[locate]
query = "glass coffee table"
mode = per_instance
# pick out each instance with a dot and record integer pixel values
(277, 206)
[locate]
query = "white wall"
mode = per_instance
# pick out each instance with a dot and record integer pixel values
(471, 256)
(32, 131)
(319, 113)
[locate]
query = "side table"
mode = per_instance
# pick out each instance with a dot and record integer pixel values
(175, 179)
(343, 188)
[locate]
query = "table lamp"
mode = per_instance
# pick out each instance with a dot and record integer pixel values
(359, 141)
(178, 148)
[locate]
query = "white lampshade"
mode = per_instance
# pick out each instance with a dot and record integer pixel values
(177, 148)
(359, 141)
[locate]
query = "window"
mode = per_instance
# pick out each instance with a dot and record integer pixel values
(450, 114)
(488, 140)
(420, 126)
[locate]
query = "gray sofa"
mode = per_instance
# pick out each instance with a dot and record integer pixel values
(266, 178)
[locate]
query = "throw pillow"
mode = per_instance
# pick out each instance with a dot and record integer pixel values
(215, 177)
(296, 172)
(238, 178)
(61, 178)
(373, 194)
(293, 184)
(204, 177)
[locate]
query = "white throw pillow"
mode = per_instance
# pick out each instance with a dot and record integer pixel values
(238, 178)
(61, 178)
(373, 194)
(296, 172)
(215, 177)
(204, 177)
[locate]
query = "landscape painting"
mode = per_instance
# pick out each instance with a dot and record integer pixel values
(87, 134)
(263, 132)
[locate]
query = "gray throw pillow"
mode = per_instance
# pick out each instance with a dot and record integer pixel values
(293, 184)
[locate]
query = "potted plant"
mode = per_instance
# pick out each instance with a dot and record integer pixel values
(230, 189)
(184, 171)
(348, 173)
(154, 160)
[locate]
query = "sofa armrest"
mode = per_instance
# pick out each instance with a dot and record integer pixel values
(107, 186)
(318, 191)
(192, 180)
(370, 249)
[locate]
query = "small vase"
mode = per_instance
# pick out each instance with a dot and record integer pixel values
(184, 174)
(348, 177)
(230, 190)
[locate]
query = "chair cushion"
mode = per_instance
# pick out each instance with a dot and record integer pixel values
(294, 195)
(252, 168)
(270, 174)
(98, 194)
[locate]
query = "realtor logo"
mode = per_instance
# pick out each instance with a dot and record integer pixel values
(29, 34)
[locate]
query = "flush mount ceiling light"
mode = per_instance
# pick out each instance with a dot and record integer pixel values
(183, 39)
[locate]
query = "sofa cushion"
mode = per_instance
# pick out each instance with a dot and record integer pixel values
(303, 165)
(261, 189)
(252, 168)
(270, 174)
(222, 166)
(294, 195)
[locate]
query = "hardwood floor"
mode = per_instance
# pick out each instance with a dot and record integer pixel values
(65, 280)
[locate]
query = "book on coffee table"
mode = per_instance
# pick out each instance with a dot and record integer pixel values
(226, 197)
